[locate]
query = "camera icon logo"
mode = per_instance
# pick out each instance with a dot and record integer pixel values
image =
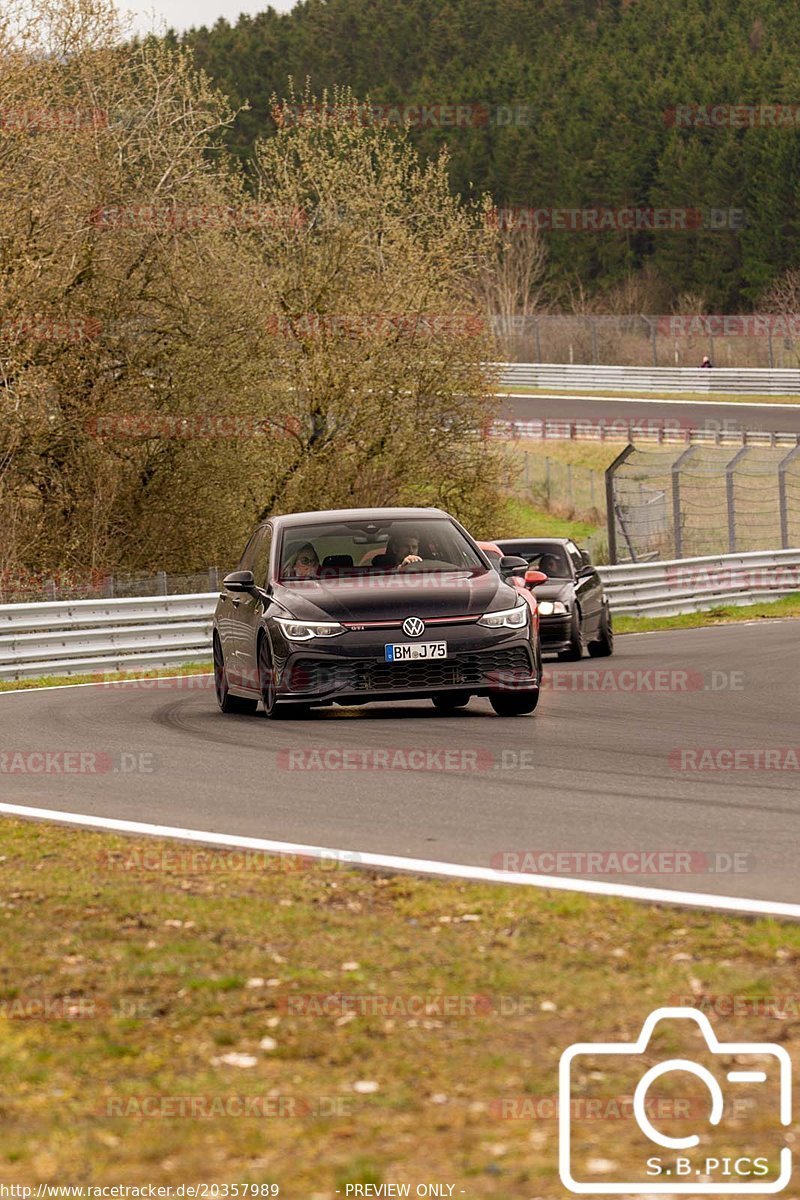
(733, 1080)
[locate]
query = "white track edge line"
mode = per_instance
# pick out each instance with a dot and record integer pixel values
(154, 679)
(421, 866)
(599, 398)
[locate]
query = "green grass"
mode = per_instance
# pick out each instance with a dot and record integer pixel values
(158, 959)
(595, 456)
(631, 394)
(766, 610)
(16, 685)
(522, 519)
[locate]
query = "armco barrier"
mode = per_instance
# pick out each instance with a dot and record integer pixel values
(584, 378)
(101, 636)
(685, 585)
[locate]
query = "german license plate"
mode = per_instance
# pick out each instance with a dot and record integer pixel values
(412, 651)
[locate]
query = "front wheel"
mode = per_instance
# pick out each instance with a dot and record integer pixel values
(604, 646)
(268, 682)
(574, 650)
(511, 704)
(228, 703)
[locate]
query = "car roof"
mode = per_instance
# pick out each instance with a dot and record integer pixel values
(288, 520)
(542, 541)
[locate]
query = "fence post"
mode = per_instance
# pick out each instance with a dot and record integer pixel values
(527, 475)
(676, 498)
(50, 589)
(547, 478)
(161, 577)
(611, 505)
(730, 467)
(569, 482)
(213, 573)
(782, 503)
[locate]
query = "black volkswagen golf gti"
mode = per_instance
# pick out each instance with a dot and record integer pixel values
(356, 605)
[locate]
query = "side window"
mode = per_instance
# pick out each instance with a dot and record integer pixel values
(246, 561)
(260, 566)
(575, 555)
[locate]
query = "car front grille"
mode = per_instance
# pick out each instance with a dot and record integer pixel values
(367, 675)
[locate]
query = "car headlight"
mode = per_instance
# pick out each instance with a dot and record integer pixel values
(549, 607)
(507, 618)
(303, 631)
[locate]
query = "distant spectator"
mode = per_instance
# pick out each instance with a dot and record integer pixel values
(706, 361)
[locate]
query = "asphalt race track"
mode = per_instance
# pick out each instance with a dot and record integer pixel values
(773, 418)
(600, 767)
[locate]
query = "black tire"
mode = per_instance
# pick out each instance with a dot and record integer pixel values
(514, 704)
(604, 646)
(575, 648)
(228, 703)
(450, 701)
(274, 710)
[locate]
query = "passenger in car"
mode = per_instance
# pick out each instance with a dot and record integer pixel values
(302, 563)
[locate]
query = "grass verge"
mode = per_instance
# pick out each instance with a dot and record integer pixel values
(175, 979)
(766, 610)
(16, 685)
(522, 519)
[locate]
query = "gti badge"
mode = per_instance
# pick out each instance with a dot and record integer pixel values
(413, 626)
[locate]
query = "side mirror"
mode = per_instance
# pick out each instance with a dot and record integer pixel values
(240, 581)
(585, 571)
(512, 564)
(534, 578)
(587, 558)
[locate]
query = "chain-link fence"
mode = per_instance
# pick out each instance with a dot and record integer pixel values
(566, 490)
(681, 503)
(749, 340)
(30, 588)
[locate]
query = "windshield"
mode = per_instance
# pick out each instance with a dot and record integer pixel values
(550, 559)
(378, 547)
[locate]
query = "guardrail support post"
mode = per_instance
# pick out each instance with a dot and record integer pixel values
(676, 498)
(611, 504)
(782, 502)
(730, 467)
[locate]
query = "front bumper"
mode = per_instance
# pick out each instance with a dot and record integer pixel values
(555, 632)
(354, 671)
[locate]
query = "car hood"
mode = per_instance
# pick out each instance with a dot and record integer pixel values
(558, 589)
(395, 597)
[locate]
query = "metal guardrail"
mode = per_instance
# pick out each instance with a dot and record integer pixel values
(583, 377)
(86, 637)
(685, 585)
(666, 430)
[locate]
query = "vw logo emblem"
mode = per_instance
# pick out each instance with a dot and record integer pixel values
(413, 627)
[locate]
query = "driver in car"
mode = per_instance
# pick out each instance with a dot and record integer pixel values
(550, 565)
(402, 548)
